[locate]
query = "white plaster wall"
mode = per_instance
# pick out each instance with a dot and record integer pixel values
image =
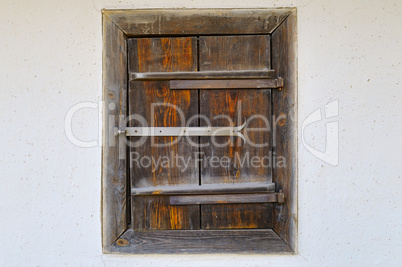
(51, 59)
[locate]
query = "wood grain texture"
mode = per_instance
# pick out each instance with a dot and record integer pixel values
(284, 61)
(197, 21)
(235, 53)
(162, 54)
(224, 84)
(114, 178)
(196, 242)
(156, 213)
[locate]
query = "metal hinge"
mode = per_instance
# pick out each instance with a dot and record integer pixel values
(181, 131)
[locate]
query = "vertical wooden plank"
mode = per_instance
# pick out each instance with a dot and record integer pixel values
(236, 53)
(114, 180)
(284, 61)
(173, 164)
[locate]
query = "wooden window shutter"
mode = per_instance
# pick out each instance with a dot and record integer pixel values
(217, 107)
(208, 113)
(162, 55)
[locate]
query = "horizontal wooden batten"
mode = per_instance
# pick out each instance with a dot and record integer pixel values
(203, 75)
(227, 84)
(200, 241)
(226, 199)
(205, 189)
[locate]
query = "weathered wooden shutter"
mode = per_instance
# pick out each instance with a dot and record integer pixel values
(229, 67)
(236, 53)
(162, 55)
(231, 105)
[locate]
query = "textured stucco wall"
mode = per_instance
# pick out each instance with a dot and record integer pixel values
(51, 59)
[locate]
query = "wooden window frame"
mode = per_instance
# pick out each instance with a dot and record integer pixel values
(118, 26)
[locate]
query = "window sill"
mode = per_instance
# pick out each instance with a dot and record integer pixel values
(200, 241)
